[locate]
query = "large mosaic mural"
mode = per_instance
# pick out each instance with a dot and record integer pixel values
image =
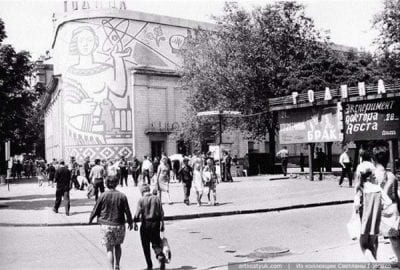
(94, 57)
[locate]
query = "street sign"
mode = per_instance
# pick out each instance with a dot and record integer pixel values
(372, 120)
(309, 125)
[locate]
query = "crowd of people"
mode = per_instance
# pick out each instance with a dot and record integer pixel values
(112, 208)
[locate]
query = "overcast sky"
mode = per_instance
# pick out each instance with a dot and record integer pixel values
(29, 25)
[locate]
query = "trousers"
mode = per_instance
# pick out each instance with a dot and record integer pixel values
(186, 191)
(62, 192)
(150, 233)
(98, 185)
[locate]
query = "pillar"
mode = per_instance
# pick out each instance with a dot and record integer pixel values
(310, 160)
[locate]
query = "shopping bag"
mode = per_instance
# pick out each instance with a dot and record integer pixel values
(390, 221)
(354, 226)
(90, 191)
(166, 250)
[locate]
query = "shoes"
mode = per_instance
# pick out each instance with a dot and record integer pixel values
(215, 203)
(170, 203)
(55, 210)
(67, 214)
(161, 259)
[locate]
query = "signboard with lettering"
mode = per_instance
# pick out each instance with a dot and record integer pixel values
(372, 120)
(309, 126)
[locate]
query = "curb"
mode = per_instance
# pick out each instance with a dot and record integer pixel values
(193, 216)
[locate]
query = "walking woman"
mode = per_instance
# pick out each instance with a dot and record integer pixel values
(198, 181)
(390, 197)
(163, 178)
(110, 210)
(211, 180)
(368, 203)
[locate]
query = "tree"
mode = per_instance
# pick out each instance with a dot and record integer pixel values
(246, 60)
(387, 22)
(18, 101)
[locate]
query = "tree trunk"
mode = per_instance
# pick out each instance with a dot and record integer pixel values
(272, 143)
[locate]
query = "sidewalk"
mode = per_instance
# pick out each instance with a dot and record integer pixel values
(27, 204)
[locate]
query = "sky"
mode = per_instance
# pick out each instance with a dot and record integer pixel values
(349, 22)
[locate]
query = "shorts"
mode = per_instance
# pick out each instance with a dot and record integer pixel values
(112, 235)
(211, 185)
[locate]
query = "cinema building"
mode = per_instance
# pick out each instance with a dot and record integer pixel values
(115, 87)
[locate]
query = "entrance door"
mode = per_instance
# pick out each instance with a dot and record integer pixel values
(157, 147)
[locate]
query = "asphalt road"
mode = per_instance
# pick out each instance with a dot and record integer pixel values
(312, 234)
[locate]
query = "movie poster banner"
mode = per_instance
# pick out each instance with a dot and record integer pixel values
(309, 125)
(372, 120)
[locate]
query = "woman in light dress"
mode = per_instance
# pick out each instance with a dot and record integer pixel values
(163, 178)
(210, 180)
(389, 185)
(367, 204)
(376, 190)
(198, 181)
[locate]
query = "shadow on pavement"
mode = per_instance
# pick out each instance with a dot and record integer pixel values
(30, 204)
(28, 197)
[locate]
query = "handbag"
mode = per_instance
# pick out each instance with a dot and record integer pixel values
(354, 226)
(166, 249)
(390, 219)
(90, 191)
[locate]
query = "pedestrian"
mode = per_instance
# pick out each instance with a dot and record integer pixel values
(112, 210)
(75, 173)
(302, 159)
(320, 162)
(86, 167)
(18, 169)
(150, 213)
(210, 180)
(40, 175)
(146, 169)
(51, 172)
(156, 163)
(283, 154)
(390, 199)
(345, 162)
(135, 170)
(185, 175)
(228, 164)
(97, 175)
(123, 169)
(198, 181)
(163, 179)
(63, 182)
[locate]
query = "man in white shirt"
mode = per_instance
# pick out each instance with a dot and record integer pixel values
(283, 154)
(345, 162)
(147, 167)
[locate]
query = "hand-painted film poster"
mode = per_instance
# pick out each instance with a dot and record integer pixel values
(309, 126)
(372, 120)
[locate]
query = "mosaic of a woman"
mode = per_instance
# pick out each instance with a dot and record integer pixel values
(92, 87)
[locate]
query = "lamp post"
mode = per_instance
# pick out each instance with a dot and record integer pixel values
(220, 114)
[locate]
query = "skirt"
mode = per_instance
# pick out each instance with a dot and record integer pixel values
(112, 235)
(372, 211)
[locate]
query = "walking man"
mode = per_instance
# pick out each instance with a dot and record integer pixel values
(123, 169)
(146, 169)
(283, 154)
(97, 175)
(185, 175)
(63, 181)
(86, 167)
(135, 170)
(345, 162)
(149, 211)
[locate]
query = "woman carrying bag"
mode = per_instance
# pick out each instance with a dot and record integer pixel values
(390, 199)
(368, 204)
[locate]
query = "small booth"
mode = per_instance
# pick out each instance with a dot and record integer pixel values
(357, 115)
